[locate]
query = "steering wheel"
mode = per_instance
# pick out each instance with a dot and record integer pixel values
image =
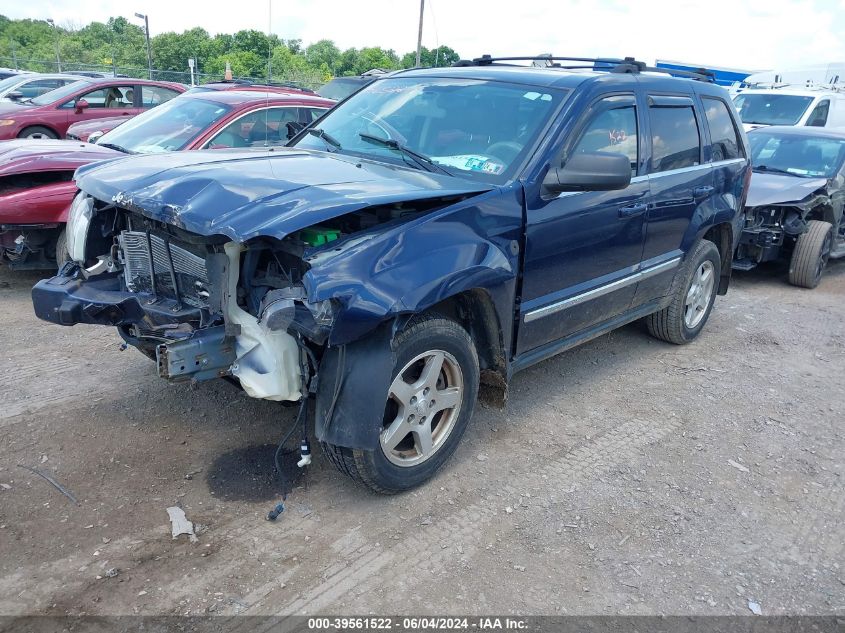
(390, 132)
(508, 149)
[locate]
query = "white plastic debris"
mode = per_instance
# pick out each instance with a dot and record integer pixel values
(737, 465)
(179, 524)
(755, 608)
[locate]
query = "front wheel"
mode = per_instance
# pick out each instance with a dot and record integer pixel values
(692, 297)
(811, 253)
(38, 132)
(427, 408)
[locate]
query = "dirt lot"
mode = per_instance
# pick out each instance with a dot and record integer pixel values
(625, 477)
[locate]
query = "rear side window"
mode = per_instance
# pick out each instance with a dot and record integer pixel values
(818, 118)
(722, 130)
(675, 139)
(152, 96)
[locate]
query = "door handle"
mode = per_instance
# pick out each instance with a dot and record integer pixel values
(633, 210)
(703, 191)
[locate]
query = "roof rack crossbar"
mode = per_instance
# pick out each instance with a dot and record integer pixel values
(613, 64)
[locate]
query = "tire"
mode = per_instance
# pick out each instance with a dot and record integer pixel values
(62, 254)
(418, 349)
(36, 132)
(686, 315)
(811, 254)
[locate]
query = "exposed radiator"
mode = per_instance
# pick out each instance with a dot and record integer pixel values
(188, 269)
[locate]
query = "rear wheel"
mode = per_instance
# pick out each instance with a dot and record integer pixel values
(37, 131)
(811, 253)
(692, 297)
(428, 406)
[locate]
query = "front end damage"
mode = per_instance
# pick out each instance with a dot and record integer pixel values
(775, 221)
(310, 312)
(201, 307)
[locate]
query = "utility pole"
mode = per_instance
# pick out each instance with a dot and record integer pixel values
(58, 59)
(146, 20)
(419, 34)
(14, 53)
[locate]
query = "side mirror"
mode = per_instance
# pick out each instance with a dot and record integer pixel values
(80, 105)
(95, 136)
(15, 95)
(593, 171)
(294, 128)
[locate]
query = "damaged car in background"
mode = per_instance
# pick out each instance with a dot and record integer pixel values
(795, 204)
(439, 230)
(36, 176)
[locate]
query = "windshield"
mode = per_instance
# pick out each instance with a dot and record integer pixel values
(341, 87)
(166, 128)
(10, 82)
(771, 109)
(475, 128)
(798, 155)
(58, 94)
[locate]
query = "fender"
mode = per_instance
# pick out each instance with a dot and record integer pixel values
(409, 269)
(412, 267)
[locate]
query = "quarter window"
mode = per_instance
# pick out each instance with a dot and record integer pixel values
(725, 141)
(675, 140)
(818, 118)
(611, 130)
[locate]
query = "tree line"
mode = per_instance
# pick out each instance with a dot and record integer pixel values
(120, 43)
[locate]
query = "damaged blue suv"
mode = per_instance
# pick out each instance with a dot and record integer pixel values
(437, 231)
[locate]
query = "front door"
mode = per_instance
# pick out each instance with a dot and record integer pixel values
(583, 249)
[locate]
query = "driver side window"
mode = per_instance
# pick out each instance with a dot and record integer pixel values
(611, 130)
(265, 127)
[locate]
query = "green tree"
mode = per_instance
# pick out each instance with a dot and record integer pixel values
(322, 53)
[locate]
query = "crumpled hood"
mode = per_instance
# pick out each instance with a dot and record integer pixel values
(778, 188)
(246, 193)
(29, 155)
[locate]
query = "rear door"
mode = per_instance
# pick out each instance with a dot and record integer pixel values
(583, 249)
(679, 180)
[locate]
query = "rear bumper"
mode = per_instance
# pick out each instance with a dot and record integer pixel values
(67, 299)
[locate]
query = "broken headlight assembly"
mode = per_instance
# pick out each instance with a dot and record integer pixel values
(78, 221)
(288, 309)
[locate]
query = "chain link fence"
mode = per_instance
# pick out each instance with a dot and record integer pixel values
(305, 80)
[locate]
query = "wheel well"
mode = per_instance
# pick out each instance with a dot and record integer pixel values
(722, 236)
(46, 127)
(475, 312)
(823, 213)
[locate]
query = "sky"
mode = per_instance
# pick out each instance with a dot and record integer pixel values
(744, 34)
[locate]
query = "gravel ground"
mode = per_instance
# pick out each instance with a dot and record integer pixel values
(626, 476)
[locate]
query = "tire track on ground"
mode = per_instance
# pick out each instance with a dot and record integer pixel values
(371, 566)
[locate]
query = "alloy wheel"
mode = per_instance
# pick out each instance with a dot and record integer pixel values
(424, 402)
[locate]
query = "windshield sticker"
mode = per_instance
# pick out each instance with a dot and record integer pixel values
(471, 162)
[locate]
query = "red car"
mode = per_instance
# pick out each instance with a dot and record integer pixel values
(37, 176)
(92, 130)
(50, 114)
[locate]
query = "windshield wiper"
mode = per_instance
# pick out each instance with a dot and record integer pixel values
(327, 138)
(119, 148)
(421, 159)
(775, 170)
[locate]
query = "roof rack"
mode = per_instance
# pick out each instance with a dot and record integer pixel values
(611, 64)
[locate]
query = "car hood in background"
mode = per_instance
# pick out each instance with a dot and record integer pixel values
(778, 188)
(246, 193)
(32, 155)
(106, 124)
